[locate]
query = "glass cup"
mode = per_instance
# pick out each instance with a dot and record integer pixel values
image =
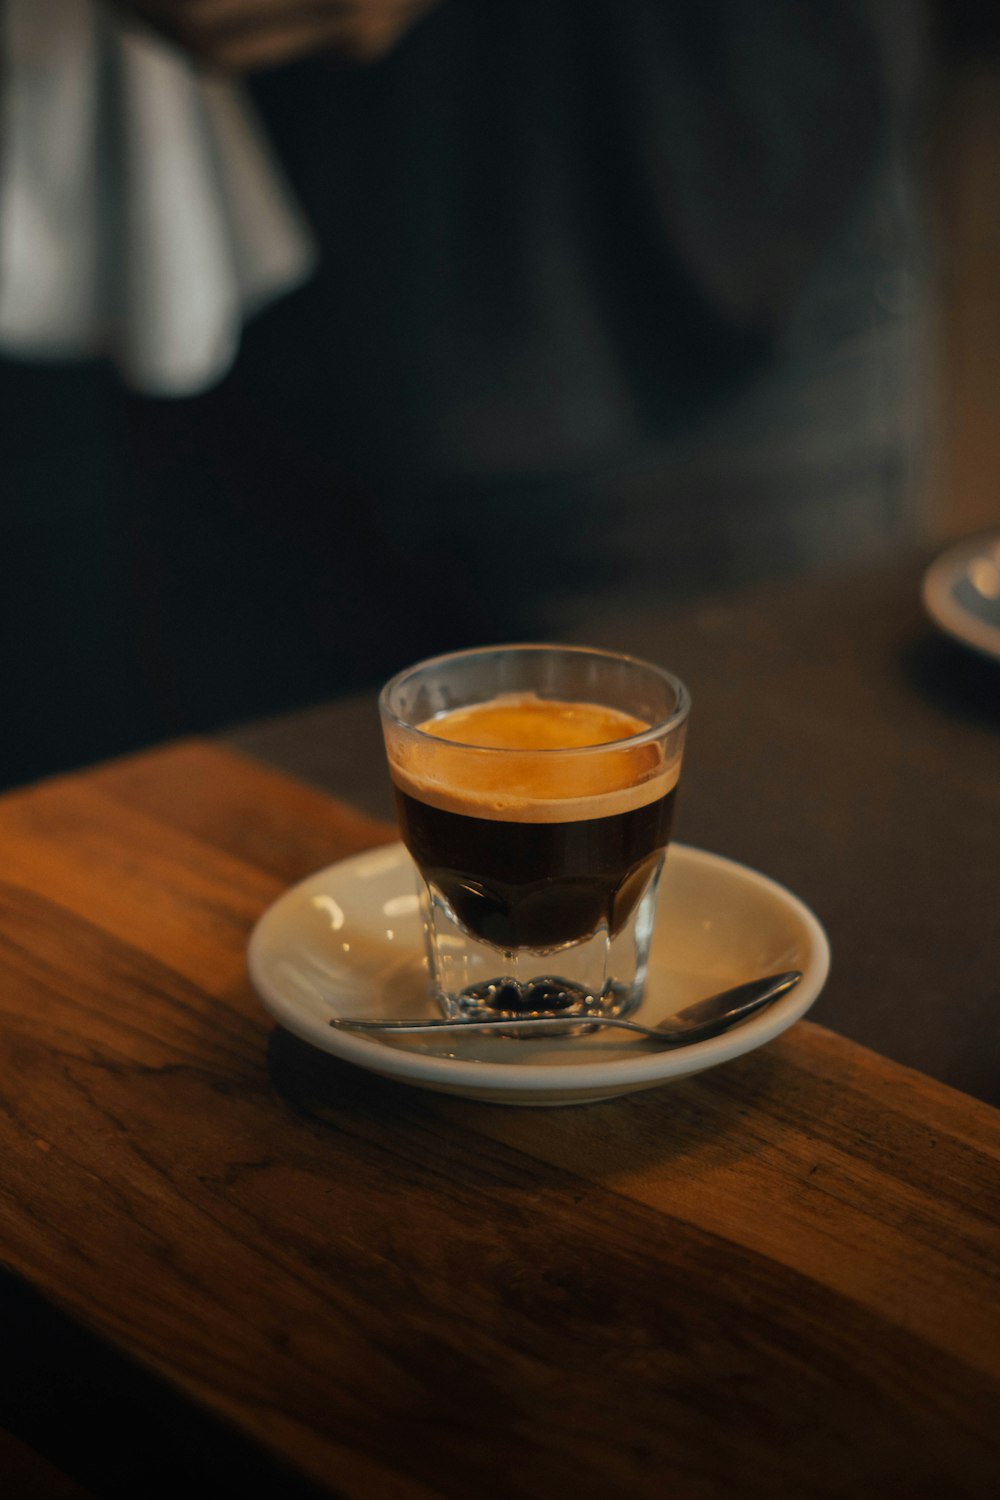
(535, 787)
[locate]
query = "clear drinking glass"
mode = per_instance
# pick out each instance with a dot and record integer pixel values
(538, 850)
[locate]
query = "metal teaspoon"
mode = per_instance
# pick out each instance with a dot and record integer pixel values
(694, 1023)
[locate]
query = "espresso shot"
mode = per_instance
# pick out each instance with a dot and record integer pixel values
(537, 885)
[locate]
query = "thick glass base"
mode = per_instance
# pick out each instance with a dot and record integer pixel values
(601, 975)
(546, 996)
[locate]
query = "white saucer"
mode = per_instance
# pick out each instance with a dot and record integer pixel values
(347, 941)
(961, 592)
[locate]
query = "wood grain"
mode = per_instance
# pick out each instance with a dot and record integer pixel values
(779, 1278)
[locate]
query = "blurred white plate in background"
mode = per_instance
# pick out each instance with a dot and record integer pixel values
(961, 592)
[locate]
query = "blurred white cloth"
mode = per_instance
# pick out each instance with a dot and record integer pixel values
(142, 213)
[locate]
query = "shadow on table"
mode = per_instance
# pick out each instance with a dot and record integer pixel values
(700, 1119)
(954, 678)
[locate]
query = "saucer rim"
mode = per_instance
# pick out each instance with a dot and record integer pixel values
(607, 1075)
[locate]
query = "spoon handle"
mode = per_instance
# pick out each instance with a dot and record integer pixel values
(491, 1023)
(695, 1023)
(681, 1038)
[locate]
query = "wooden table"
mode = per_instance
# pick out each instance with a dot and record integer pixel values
(232, 1259)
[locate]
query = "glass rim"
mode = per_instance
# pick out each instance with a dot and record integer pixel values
(652, 732)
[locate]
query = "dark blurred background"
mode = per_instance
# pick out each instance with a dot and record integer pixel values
(523, 382)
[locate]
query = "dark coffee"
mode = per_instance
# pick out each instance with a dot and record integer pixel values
(547, 842)
(537, 885)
